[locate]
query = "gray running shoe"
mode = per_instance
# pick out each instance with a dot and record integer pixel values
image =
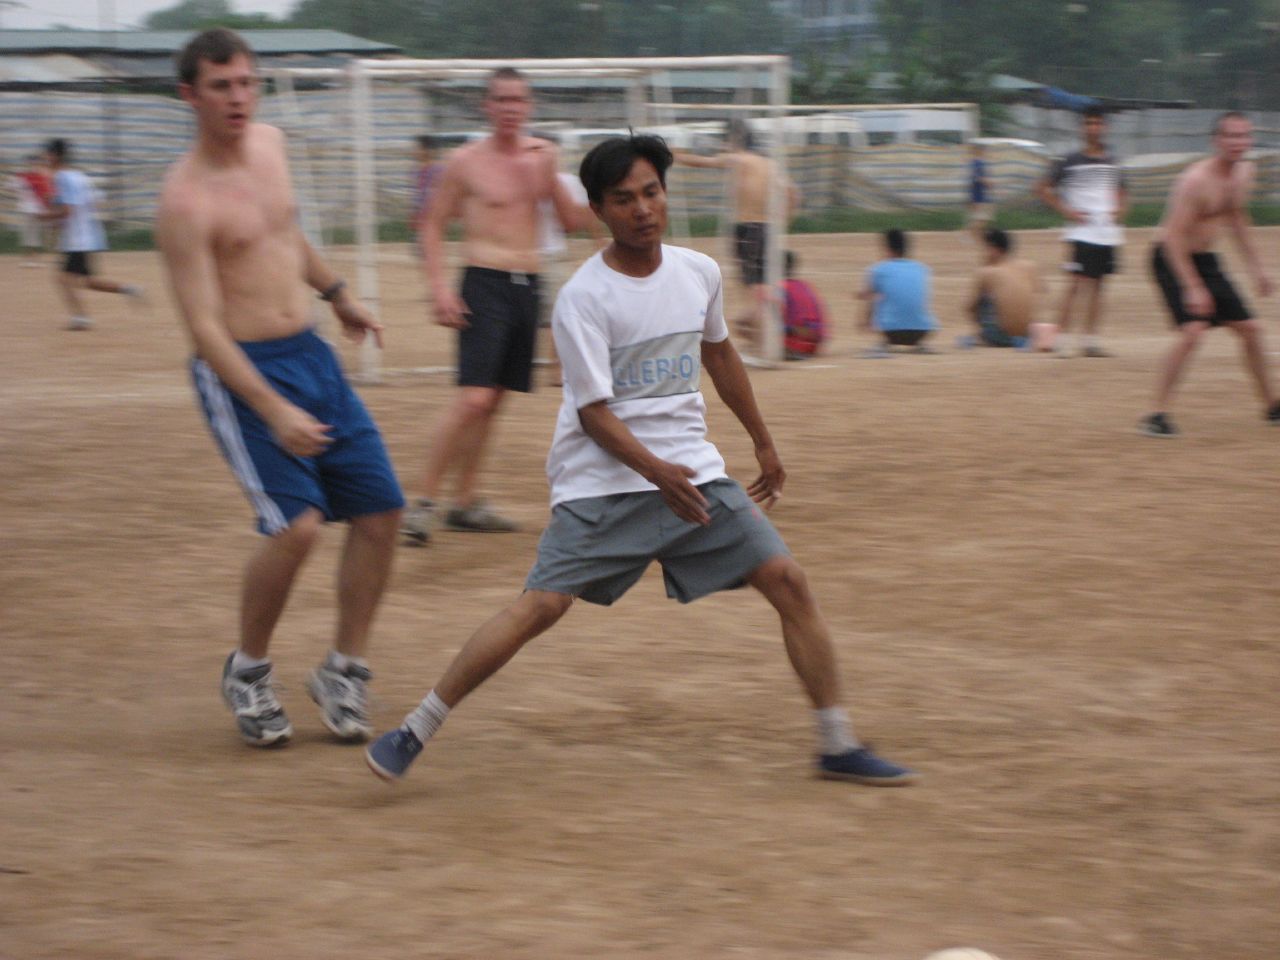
(343, 700)
(251, 696)
(1157, 425)
(416, 524)
(478, 518)
(79, 323)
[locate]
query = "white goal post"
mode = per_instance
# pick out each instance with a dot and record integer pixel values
(646, 95)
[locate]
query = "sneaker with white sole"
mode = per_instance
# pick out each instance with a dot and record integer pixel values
(417, 522)
(478, 518)
(863, 766)
(1157, 425)
(343, 700)
(251, 696)
(390, 756)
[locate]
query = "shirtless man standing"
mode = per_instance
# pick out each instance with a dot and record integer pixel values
(753, 179)
(1005, 291)
(495, 187)
(1207, 196)
(297, 438)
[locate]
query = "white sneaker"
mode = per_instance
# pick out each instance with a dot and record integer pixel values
(251, 696)
(343, 700)
(79, 323)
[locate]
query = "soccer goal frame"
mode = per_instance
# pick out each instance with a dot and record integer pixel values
(649, 99)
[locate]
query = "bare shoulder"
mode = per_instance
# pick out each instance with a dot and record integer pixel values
(180, 191)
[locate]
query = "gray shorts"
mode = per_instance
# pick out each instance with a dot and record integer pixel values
(596, 548)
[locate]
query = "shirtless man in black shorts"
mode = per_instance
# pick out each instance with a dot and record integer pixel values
(1209, 195)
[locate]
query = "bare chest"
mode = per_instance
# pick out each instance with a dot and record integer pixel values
(502, 183)
(248, 211)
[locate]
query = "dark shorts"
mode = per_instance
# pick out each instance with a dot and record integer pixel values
(1092, 260)
(597, 548)
(905, 338)
(78, 262)
(352, 478)
(992, 334)
(496, 348)
(1228, 307)
(750, 244)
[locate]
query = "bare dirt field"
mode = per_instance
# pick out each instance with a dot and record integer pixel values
(1071, 630)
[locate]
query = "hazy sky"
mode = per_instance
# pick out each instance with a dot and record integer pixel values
(94, 14)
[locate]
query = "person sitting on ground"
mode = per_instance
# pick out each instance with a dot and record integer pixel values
(804, 314)
(897, 292)
(1006, 289)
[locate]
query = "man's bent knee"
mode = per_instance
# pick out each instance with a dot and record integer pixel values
(781, 577)
(544, 607)
(477, 402)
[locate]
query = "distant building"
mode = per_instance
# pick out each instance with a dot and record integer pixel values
(842, 31)
(143, 59)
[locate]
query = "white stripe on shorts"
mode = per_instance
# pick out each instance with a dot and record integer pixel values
(227, 428)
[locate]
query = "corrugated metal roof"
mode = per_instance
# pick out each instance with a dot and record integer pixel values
(164, 43)
(50, 68)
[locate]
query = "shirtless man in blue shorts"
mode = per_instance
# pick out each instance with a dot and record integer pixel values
(633, 477)
(297, 437)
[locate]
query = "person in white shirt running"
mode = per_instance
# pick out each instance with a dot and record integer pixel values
(75, 208)
(633, 477)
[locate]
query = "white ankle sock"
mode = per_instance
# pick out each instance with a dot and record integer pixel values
(427, 718)
(835, 731)
(242, 661)
(340, 661)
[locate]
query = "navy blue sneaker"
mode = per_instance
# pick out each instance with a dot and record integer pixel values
(391, 754)
(863, 766)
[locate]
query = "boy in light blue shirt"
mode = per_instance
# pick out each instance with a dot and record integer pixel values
(897, 292)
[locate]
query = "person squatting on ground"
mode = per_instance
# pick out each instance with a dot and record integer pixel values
(1208, 196)
(804, 316)
(633, 478)
(74, 208)
(1005, 293)
(495, 187)
(298, 439)
(897, 294)
(1088, 189)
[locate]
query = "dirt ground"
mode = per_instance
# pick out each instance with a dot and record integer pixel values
(1068, 628)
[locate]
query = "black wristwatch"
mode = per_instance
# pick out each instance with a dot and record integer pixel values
(330, 293)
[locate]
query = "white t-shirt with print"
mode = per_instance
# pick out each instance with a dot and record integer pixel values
(81, 230)
(635, 342)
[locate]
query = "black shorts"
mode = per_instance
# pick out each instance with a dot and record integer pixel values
(496, 348)
(1092, 260)
(78, 262)
(905, 338)
(1227, 305)
(750, 244)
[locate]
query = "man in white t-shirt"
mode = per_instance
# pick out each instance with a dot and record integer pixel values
(634, 478)
(75, 208)
(1087, 187)
(553, 249)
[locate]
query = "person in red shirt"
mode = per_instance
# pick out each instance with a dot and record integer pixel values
(34, 187)
(804, 315)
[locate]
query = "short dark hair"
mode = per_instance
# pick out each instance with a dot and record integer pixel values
(426, 141)
(790, 262)
(896, 241)
(59, 147)
(609, 162)
(218, 45)
(504, 73)
(1094, 111)
(997, 238)
(1228, 115)
(740, 132)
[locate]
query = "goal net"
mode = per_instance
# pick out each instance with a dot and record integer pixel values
(353, 134)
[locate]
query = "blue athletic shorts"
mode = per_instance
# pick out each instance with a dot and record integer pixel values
(352, 478)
